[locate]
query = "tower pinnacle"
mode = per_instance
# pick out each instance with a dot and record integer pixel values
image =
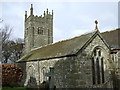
(52, 12)
(25, 15)
(44, 13)
(31, 9)
(47, 10)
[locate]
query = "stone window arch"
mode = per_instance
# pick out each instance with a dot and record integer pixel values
(118, 56)
(99, 53)
(40, 30)
(44, 71)
(98, 66)
(30, 79)
(31, 70)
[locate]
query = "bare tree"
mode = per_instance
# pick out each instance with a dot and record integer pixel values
(11, 49)
(17, 49)
(1, 41)
(5, 33)
(7, 51)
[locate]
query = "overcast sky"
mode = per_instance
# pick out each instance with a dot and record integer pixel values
(70, 18)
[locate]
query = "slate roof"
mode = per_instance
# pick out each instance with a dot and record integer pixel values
(112, 38)
(71, 46)
(59, 49)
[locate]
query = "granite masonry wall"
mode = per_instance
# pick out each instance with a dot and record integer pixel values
(71, 72)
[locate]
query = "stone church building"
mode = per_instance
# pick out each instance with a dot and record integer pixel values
(91, 60)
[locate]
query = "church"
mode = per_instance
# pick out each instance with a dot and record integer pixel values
(91, 60)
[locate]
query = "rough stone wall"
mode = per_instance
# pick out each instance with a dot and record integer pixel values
(47, 37)
(64, 68)
(115, 56)
(118, 57)
(116, 61)
(118, 68)
(32, 74)
(71, 72)
(64, 71)
(28, 34)
(85, 64)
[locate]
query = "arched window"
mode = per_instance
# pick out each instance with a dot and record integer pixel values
(102, 70)
(40, 30)
(94, 52)
(31, 74)
(99, 52)
(44, 73)
(97, 66)
(98, 71)
(93, 70)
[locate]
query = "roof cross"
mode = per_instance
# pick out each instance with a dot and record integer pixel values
(96, 22)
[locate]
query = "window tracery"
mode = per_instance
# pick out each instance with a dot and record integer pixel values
(98, 66)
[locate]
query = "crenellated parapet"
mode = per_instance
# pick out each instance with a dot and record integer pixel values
(46, 15)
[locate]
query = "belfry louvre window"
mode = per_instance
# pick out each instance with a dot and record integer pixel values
(40, 30)
(97, 67)
(33, 30)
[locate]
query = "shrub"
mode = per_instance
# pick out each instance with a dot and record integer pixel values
(11, 74)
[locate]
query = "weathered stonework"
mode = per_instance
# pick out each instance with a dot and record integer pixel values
(38, 30)
(85, 62)
(71, 72)
(118, 57)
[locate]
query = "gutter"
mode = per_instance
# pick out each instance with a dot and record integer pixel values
(70, 55)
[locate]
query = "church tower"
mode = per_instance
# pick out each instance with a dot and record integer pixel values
(38, 30)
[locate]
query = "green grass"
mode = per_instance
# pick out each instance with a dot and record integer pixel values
(14, 88)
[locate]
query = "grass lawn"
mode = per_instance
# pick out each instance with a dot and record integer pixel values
(14, 88)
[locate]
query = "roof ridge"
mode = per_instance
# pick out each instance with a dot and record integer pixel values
(110, 30)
